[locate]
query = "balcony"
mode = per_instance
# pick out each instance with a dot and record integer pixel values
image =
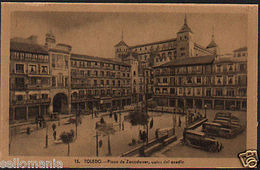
(31, 101)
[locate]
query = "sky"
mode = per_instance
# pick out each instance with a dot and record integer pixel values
(96, 33)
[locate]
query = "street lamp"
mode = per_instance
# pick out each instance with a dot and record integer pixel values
(205, 107)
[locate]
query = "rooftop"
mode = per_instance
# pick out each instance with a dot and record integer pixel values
(156, 42)
(121, 43)
(241, 49)
(107, 60)
(190, 61)
(26, 46)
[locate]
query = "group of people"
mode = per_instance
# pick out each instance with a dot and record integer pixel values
(40, 121)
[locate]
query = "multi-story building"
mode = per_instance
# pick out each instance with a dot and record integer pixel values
(217, 82)
(30, 80)
(99, 82)
(60, 74)
(146, 56)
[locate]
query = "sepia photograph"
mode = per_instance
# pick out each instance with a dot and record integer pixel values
(129, 84)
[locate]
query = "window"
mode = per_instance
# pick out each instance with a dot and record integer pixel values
(218, 92)
(66, 82)
(95, 63)
(101, 64)
(208, 80)
(33, 81)
(96, 73)
(189, 80)
(89, 72)
(218, 68)
(53, 80)
(188, 91)
(198, 92)
(19, 98)
(114, 67)
(230, 79)
(242, 92)
(172, 90)
(230, 92)
(108, 73)
(19, 82)
(165, 90)
(165, 80)
(134, 73)
(102, 82)
(102, 73)
(208, 92)
(53, 61)
(33, 97)
(157, 90)
(44, 69)
(199, 80)
(82, 72)
(113, 82)
(19, 68)
(119, 83)
(180, 80)
(44, 96)
(32, 69)
(230, 67)
(95, 82)
(107, 82)
(219, 80)
(242, 67)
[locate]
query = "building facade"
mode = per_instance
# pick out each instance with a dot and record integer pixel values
(206, 81)
(30, 80)
(99, 83)
(45, 79)
(144, 57)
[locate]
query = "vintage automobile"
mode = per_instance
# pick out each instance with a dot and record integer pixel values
(223, 114)
(201, 140)
(222, 128)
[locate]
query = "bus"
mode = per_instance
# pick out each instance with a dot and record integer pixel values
(201, 140)
(223, 114)
(216, 128)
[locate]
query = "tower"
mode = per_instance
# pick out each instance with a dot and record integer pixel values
(213, 47)
(185, 45)
(50, 40)
(121, 49)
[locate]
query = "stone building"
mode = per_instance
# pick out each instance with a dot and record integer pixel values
(30, 80)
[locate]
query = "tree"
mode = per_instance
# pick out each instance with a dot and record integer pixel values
(139, 117)
(67, 138)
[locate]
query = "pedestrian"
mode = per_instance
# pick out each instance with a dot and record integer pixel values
(36, 122)
(54, 134)
(144, 136)
(123, 126)
(140, 135)
(111, 113)
(179, 121)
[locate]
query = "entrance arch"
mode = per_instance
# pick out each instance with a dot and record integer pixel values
(60, 103)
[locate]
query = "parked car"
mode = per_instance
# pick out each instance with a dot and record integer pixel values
(201, 140)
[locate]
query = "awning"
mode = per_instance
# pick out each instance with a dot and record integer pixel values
(19, 93)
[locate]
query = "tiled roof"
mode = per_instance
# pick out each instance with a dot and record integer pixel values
(241, 49)
(121, 43)
(190, 61)
(27, 47)
(152, 43)
(93, 58)
(230, 59)
(185, 28)
(212, 44)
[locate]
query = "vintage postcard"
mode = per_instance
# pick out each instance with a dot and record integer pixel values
(128, 85)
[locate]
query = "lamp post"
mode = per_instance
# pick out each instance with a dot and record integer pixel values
(205, 107)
